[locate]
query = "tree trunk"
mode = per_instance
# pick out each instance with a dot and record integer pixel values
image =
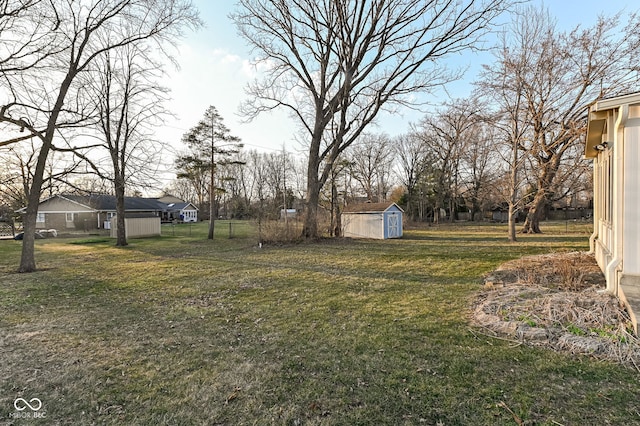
(539, 203)
(310, 227)
(212, 188)
(27, 259)
(535, 214)
(335, 205)
(512, 222)
(121, 233)
(437, 208)
(212, 217)
(475, 209)
(513, 191)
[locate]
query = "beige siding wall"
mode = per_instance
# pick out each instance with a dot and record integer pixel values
(137, 227)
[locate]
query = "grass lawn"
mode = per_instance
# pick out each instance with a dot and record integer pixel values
(178, 330)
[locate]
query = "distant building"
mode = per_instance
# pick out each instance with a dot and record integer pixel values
(288, 214)
(89, 212)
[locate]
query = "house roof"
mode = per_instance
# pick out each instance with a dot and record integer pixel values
(103, 202)
(180, 206)
(370, 207)
(107, 203)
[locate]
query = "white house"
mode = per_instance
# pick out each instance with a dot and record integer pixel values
(186, 212)
(613, 142)
(372, 220)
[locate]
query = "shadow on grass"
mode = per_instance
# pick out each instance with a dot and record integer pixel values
(181, 330)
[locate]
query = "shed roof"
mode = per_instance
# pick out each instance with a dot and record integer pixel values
(370, 207)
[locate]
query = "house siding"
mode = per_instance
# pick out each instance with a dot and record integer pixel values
(613, 142)
(59, 204)
(85, 221)
(52, 221)
(69, 212)
(190, 215)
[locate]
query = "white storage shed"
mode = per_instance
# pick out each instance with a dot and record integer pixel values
(372, 220)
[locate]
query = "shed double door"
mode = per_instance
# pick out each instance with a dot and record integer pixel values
(393, 226)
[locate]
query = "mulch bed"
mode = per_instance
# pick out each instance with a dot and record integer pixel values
(558, 301)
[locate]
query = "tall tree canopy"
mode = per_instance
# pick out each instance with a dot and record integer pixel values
(336, 64)
(555, 75)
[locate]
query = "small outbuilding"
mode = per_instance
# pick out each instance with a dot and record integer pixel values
(372, 220)
(137, 226)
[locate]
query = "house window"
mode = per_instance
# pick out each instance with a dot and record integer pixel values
(70, 217)
(40, 218)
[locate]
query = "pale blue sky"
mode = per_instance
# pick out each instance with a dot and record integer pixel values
(215, 67)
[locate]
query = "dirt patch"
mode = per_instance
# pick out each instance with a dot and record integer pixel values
(559, 301)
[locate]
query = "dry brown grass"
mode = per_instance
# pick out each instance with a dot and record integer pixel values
(558, 300)
(567, 271)
(279, 231)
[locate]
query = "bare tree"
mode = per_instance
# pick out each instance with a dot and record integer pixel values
(336, 64)
(192, 173)
(236, 182)
(129, 103)
(183, 189)
(560, 74)
(18, 168)
(259, 186)
(370, 159)
(27, 34)
(47, 97)
(413, 158)
(479, 166)
(446, 135)
(505, 92)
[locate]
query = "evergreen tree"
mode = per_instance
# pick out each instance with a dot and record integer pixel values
(210, 145)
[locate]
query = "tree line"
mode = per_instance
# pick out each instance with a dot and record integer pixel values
(451, 165)
(82, 81)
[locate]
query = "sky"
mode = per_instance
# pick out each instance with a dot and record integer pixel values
(216, 64)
